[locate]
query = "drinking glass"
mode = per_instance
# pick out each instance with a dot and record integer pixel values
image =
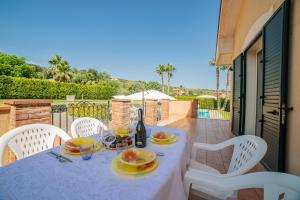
(107, 138)
(86, 151)
(121, 147)
(148, 131)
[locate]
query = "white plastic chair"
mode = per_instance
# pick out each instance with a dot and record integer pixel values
(276, 185)
(86, 126)
(30, 139)
(248, 150)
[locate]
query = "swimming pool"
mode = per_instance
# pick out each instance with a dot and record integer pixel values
(203, 114)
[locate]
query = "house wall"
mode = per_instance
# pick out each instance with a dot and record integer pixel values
(247, 19)
(293, 128)
(251, 10)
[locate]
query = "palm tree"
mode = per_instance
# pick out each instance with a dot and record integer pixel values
(170, 69)
(55, 60)
(160, 70)
(63, 72)
(212, 63)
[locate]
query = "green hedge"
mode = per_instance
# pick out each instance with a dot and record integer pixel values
(207, 103)
(24, 88)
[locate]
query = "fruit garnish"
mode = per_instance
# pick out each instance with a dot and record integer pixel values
(160, 135)
(129, 155)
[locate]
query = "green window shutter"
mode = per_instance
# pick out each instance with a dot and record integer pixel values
(274, 88)
(238, 95)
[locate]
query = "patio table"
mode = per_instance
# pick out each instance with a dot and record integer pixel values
(43, 177)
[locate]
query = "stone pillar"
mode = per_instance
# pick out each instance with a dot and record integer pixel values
(164, 109)
(120, 112)
(28, 111)
(151, 112)
(194, 113)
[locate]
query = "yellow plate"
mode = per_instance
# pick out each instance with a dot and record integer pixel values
(122, 131)
(131, 170)
(144, 156)
(174, 140)
(170, 136)
(82, 141)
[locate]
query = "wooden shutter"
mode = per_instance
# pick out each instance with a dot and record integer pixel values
(275, 49)
(238, 95)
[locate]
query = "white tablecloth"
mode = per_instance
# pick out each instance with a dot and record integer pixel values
(43, 177)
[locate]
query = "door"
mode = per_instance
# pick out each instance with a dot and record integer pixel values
(238, 95)
(275, 35)
(259, 95)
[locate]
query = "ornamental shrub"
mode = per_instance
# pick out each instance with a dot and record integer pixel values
(24, 88)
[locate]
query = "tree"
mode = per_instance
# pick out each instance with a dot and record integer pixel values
(12, 65)
(52, 70)
(55, 60)
(152, 85)
(170, 69)
(104, 76)
(63, 73)
(212, 63)
(160, 70)
(60, 69)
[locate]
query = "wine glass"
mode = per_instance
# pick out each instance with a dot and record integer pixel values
(133, 123)
(107, 138)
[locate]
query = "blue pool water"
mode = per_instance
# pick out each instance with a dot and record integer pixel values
(203, 114)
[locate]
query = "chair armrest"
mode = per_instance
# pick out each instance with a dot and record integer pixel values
(210, 147)
(200, 178)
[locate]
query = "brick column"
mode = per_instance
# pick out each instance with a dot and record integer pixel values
(194, 108)
(27, 111)
(164, 109)
(120, 112)
(151, 112)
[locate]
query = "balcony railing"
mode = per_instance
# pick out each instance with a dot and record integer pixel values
(63, 115)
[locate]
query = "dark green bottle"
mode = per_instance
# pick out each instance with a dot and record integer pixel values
(140, 135)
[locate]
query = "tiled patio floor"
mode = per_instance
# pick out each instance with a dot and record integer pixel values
(215, 131)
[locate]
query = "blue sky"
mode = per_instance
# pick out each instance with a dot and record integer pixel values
(126, 38)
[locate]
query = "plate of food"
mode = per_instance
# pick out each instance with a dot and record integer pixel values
(162, 136)
(126, 141)
(137, 157)
(72, 146)
(125, 169)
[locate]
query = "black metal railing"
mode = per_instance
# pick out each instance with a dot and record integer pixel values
(63, 115)
(213, 110)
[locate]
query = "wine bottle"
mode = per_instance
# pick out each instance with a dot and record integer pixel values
(140, 135)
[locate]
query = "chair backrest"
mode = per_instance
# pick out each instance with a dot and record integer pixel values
(248, 151)
(30, 139)
(86, 126)
(276, 185)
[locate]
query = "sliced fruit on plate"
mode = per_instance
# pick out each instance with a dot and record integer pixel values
(137, 157)
(162, 136)
(73, 145)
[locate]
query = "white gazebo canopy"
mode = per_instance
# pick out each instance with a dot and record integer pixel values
(148, 94)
